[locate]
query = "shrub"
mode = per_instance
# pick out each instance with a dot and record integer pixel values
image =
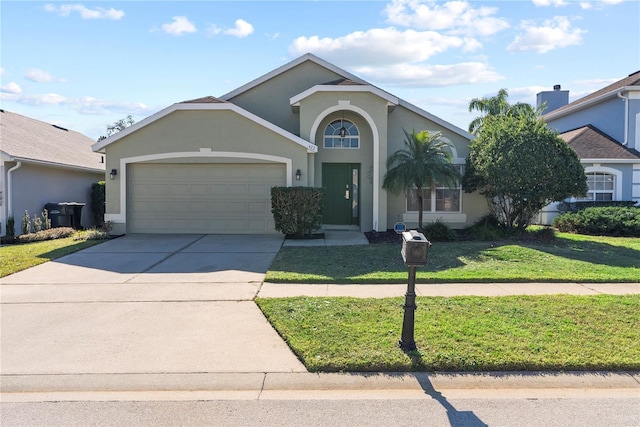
(610, 221)
(98, 199)
(50, 234)
(297, 211)
(91, 234)
(11, 226)
(37, 223)
(564, 207)
(26, 223)
(46, 221)
(439, 231)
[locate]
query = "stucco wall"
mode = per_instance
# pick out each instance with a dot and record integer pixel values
(191, 131)
(34, 186)
(607, 116)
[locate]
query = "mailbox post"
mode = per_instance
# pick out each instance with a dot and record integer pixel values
(414, 253)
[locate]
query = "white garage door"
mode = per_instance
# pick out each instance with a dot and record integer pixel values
(202, 198)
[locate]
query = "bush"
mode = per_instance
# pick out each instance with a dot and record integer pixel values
(50, 234)
(439, 231)
(607, 221)
(487, 228)
(297, 211)
(11, 226)
(98, 199)
(564, 207)
(91, 234)
(26, 223)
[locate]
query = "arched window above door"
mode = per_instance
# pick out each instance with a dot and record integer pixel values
(341, 134)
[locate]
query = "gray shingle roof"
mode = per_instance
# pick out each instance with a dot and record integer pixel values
(26, 139)
(590, 143)
(204, 100)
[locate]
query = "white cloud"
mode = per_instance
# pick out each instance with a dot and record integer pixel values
(179, 26)
(83, 105)
(416, 75)
(553, 34)
(41, 76)
(85, 13)
(11, 87)
(556, 3)
(455, 17)
(585, 5)
(380, 46)
(242, 29)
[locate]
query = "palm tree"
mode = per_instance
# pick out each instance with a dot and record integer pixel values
(423, 161)
(498, 106)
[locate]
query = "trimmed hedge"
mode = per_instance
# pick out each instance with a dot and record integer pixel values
(607, 221)
(98, 199)
(50, 234)
(578, 206)
(297, 211)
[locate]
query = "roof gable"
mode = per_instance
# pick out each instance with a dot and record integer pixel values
(347, 81)
(30, 140)
(206, 103)
(590, 143)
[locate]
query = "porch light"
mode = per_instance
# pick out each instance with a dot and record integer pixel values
(298, 175)
(113, 173)
(343, 130)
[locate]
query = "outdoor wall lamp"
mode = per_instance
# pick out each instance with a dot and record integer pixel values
(298, 175)
(113, 173)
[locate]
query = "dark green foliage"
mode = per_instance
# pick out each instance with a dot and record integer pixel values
(297, 211)
(11, 226)
(520, 166)
(439, 231)
(578, 206)
(98, 199)
(607, 221)
(26, 223)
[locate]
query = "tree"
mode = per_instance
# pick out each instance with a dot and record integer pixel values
(424, 160)
(497, 106)
(520, 166)
(117, 126)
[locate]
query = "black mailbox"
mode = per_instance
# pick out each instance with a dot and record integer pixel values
(414, 248)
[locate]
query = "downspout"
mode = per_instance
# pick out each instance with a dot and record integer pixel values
(9, 189)
(626, 117)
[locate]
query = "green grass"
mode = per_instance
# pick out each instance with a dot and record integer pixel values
(18, 257)
(533, 333)
(568, 258)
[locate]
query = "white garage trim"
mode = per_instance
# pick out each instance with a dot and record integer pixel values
(121, 217)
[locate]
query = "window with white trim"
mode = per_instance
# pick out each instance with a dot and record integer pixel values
(601, 186)
(438, 199)
(341, 134)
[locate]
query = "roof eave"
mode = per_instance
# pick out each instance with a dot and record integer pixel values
(581, 105)
(54, 165)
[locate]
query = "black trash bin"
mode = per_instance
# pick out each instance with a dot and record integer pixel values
(65, 214)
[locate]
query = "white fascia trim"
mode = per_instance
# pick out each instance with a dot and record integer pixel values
(205, 107)
(453, 128)
(391, 100)
(614, 161)
(569, 110)
(286, 67)
(54, 165)
(121, 217)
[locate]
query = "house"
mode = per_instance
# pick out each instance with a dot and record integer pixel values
(207, 165)
(42, 163)
(603, 128)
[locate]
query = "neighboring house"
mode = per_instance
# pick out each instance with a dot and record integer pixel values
(603, 128)
(42, 163)
(207, 165)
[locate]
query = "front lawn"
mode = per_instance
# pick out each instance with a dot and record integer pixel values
(533, 333)
(14, 258)
(568, 258)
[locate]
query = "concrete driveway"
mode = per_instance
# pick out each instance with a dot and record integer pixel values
(142, 304)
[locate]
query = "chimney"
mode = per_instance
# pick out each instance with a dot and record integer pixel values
(554, 99)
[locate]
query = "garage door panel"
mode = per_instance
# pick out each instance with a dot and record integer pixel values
(202, 198)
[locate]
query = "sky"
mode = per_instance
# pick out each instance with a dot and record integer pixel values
(85, 64)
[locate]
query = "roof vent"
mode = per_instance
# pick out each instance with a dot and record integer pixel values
(557, 87)
(61, 128)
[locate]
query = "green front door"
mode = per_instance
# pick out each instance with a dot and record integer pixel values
(341, 182)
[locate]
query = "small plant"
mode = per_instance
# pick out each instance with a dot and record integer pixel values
(439, 231)
(37, 223)
(46, 221)
(51, 234)
(297, 211)
(26, 223)
(91, 234)
(11, 226)
(107, 227)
